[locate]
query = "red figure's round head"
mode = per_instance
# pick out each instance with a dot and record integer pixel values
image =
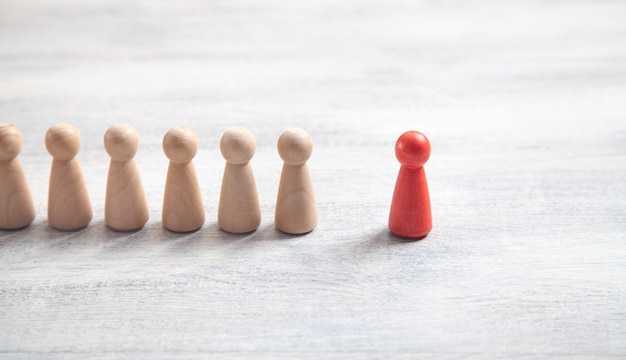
(412, 149)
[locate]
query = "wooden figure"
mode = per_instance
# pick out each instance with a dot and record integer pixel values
(125, 206)
(182, 203)
(69, 207)
(16, 203)
(410, 216)
(239, 210)
(296, 212)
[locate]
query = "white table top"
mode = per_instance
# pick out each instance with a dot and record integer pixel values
(524, 104)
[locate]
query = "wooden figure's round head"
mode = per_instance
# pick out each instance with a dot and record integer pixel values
(237, 145)
(412, 149)
(295, 146)
(10, 141)
(63, 141)
(180, 145)
(121, 142)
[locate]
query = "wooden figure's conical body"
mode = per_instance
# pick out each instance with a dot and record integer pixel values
(239, 210)
(296, 211)
(125, 206)
(16, 203)
(69, 207)
(410, 215)
(183, 210)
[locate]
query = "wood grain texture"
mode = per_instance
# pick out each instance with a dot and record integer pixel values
(16, 203)
(69, 205)
(125, 205)
(183, 209)
(296, 212)
(239, 210)
(522, 101)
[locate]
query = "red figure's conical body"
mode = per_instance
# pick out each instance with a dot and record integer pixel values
(410, 216)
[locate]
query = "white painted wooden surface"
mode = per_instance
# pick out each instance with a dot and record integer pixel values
(525, 106)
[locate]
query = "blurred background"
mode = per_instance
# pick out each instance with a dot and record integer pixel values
(527, 80)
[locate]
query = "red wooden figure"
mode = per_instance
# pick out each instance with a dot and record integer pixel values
(410, 216)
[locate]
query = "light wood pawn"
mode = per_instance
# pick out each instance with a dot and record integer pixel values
(16, 203)
(125, 206)
(69, 207)
(182, 202)
(239, 210)
(296, 212)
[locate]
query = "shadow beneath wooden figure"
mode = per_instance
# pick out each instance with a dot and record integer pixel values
(156, 230)
(271, 233)
(220, 236)
(115, 239)
(180, 241)
(44, 234)
(4, 234)
(34, 232)
(263, 233)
